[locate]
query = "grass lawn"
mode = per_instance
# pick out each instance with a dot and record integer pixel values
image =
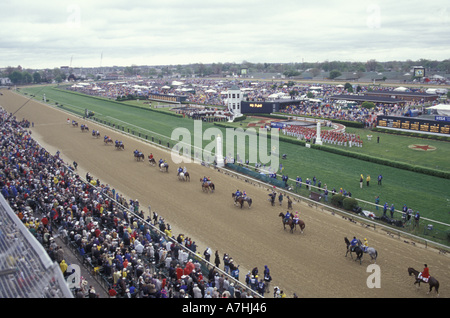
(430, 195)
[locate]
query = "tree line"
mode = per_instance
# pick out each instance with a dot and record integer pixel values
(334, 69)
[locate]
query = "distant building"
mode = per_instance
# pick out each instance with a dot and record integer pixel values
(407, 96)
(5, 81)
(234, 98)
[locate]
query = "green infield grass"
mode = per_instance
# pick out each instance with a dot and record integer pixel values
(428, 194)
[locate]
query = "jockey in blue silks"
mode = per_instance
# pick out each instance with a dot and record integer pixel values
(287, 216)
(160, 161)
(353, 243)
(179, 171)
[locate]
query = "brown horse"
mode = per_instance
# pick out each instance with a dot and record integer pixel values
(240, 200)
(184, 176)
(207, 186)
(95, 133)
(433, 282)
(300, 223)
(289, 222)
(139, 155)
(108, 141)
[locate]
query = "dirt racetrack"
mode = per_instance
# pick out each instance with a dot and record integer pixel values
(310, 264)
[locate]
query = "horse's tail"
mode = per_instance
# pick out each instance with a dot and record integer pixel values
(346, 241)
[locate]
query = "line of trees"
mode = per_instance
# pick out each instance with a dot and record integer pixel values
(334, 68)
(18, 75)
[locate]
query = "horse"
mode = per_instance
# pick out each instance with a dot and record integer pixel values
(164, 167)
(95, 133)
(108, 140)
(138, 155)
(120, 146)
(289, 222)
(152, 161)
(184, 176)
(300, 223)
(357, 249)
(371, 251)
(207, 186)
(84, 128)
(74, 123)
(433, 282)
(240, 200)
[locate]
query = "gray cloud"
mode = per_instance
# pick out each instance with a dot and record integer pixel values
(48, 33)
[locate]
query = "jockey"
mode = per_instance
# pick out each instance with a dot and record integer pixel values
(353, 243)
(180, 170)
(425, 274)
(238, 193)
(160, 161)
(151, 156)
(205, 179)
(296, 217)
(244, 194)
(366, 244)
(117, 142)
(184, 170)
(287, 216)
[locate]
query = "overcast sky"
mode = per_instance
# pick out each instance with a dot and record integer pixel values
(48, 34)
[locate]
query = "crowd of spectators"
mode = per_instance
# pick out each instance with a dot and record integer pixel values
(212, 92)
(137, 257)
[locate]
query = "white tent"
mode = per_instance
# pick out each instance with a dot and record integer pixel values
(400, 89)
(436, 91)
(441, 109)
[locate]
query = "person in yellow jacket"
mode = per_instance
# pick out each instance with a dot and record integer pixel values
(366, 244)
(63, 265)
(368, 180)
